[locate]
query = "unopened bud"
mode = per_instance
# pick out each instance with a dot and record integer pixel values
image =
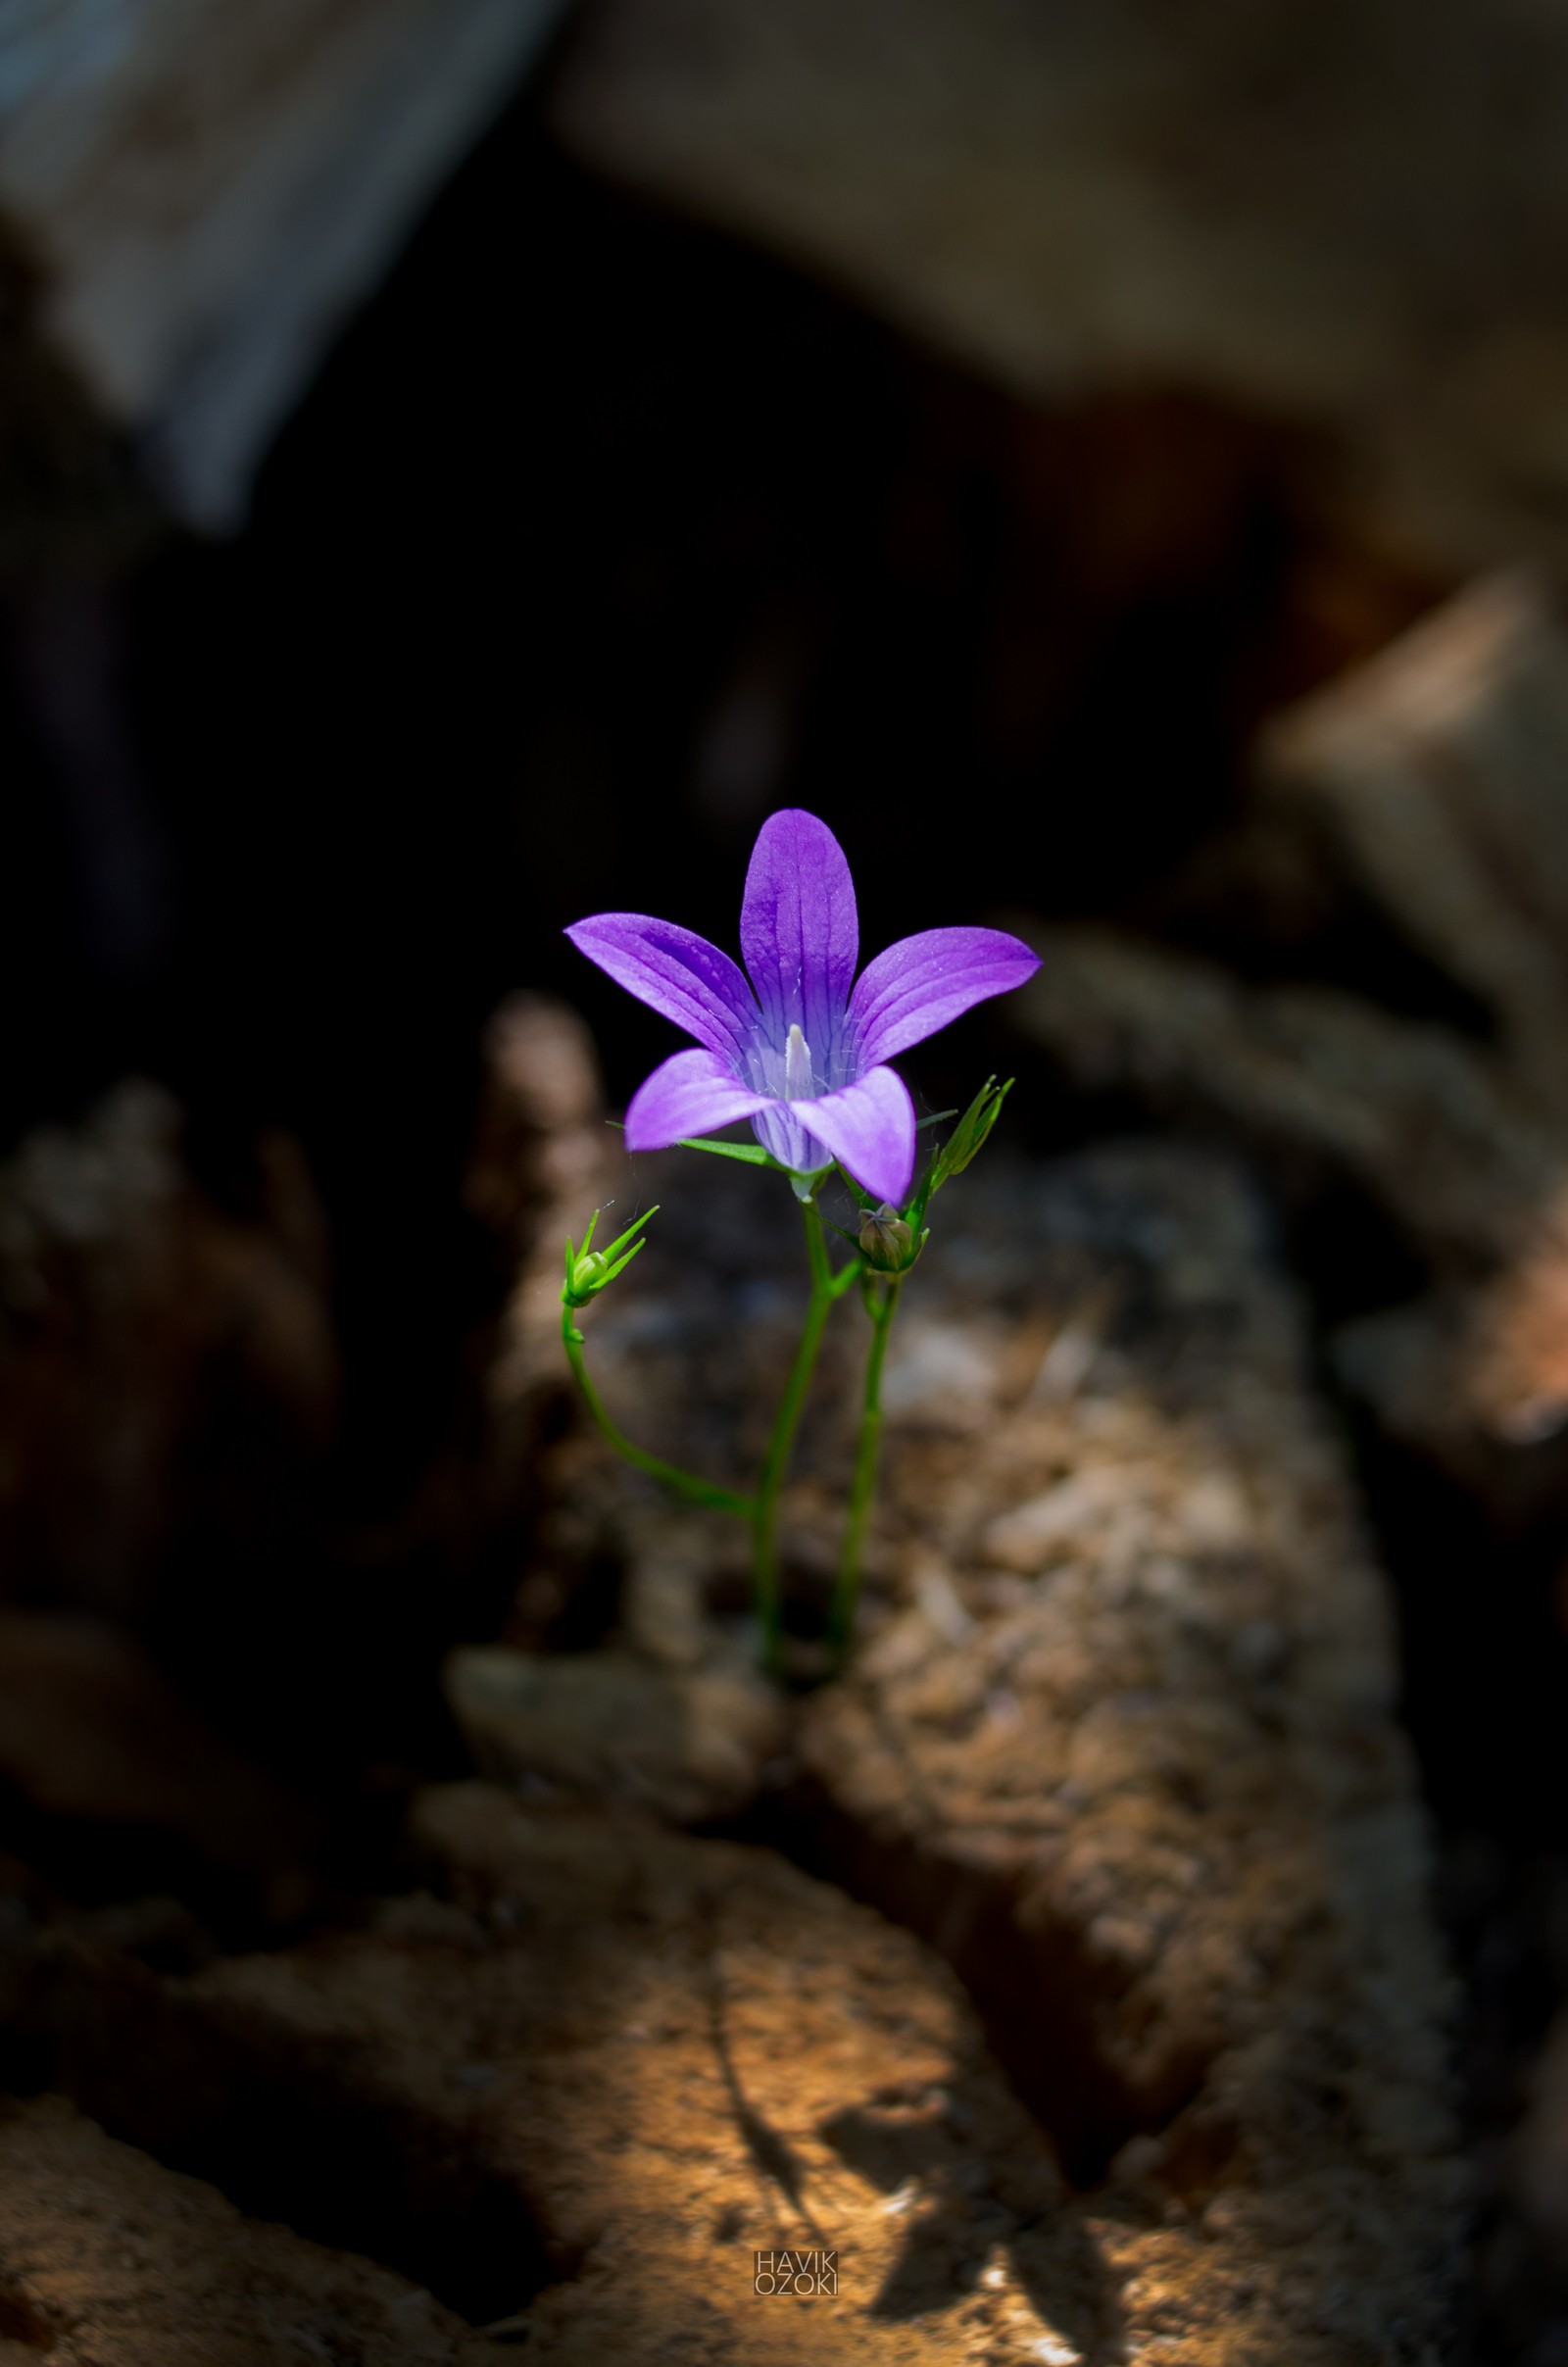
(588, 1270)
(886, 1239)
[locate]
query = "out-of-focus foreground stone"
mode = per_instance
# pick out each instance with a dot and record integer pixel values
(206, 191)
(94, 1736)
(1434, 776)
(1352, 220)
(1434, 782)
(168, 1387)
(108, 2260)
(612, 2064)
(689, 1743)
(159, 1362)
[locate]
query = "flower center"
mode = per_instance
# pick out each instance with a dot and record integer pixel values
(797, 1067)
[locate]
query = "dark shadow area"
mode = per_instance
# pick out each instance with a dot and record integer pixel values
(1032, 1990)
(600, 536)
(288, 2132)
(955, 2226)
(777, 2168)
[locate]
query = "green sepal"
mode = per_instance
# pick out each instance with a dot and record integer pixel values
(588, 1270)
(914, 1213)
(751, 1154)
(969, 1137)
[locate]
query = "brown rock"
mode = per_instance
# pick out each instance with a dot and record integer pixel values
(1415, 1116)
(631, 2061)
(1118, 1740)
(91, 1730)
(158, 1360)
(541, 1121)
(543, 1159)
(1135, 1772)
(687, 1744)
(212, 194)
(1432, 782)
(627, 2061)
(108, 2260)
(1437, 776)
(1073, 201)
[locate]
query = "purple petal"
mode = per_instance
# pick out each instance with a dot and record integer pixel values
(799, 933)
(678, 974)
(779, 1131)
(923, 982)
(869, 1128)
(690, 1093)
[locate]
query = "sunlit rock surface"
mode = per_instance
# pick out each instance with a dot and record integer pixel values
(1118, 1739)
(1097, 2014)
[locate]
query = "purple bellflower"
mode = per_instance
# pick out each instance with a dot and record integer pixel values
(802, 1049)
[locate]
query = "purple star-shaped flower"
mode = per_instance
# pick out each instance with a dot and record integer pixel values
(801, 1050)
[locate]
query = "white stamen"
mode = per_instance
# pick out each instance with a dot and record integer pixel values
(797, 1067)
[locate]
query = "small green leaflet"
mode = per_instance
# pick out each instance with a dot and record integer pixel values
(751, 1155)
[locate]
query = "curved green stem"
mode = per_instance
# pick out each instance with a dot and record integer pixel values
(685, 1483)
(847, 1590)
(826, 1288)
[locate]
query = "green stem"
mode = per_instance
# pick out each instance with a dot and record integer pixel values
(846, 1594)
(685, 1483)
(826, 1288)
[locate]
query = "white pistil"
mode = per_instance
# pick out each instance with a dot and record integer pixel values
(797, 1067)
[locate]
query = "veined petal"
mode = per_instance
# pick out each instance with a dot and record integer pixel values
(690, 1093)
(869, 1128)
(799, 931)
(779, 1130)
(677, 973)
(922, 982)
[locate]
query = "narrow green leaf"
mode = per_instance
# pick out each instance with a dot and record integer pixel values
(751, 1154)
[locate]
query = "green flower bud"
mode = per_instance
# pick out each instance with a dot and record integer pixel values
(886, 1240)
(972, 1133)
(589, 1270)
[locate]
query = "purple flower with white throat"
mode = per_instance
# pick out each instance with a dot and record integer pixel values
(802, 1049)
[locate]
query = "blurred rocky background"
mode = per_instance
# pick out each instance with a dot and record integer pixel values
(461, 468)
